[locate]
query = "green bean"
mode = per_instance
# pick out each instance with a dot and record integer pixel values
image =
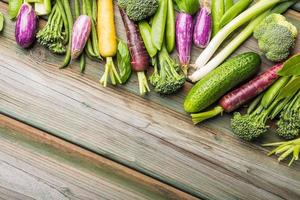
(282, 7)
(13, 8)
(54, 20)
(90, 49)
(217, 11)
(170, 27)
(145, 31)
(82, 62)
(88, 8)
(94, 10)
(273, 91)
(228, 4)
(93, 36)
(77, 8)
(234, 11)
(280, 106)
(254, 104)
(67, 9)
(159, 24)
(65, 20)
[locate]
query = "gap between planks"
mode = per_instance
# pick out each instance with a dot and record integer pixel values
(72, 149)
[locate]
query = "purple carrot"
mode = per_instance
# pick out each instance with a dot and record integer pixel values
(184, 38)
(139, 55)
(248, 91)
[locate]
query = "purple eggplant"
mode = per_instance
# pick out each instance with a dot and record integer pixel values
(81, 33)
(184, 38)
(26, 26)
(202, 28)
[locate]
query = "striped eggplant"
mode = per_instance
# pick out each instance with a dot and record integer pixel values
(184, 38)
(80, 34)
(26, 26)
(203, 27)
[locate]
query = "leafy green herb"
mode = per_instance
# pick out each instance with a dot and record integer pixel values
(1, 21)
(123, 59)
(290, 89)
(291, 67)
(188, 6)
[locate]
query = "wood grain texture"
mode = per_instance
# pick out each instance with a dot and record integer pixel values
(36, 165)
(151, 134)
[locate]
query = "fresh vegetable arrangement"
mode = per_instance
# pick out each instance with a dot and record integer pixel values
(202, 65)
(282, 100)
(221, 80)
(82, 29)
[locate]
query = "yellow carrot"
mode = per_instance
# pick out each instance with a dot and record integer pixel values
(107, 40)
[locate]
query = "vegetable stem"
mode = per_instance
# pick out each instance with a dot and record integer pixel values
(143, 83)
(199, 117)
(110, 71)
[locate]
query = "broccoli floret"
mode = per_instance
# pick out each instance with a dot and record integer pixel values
(168, 78)
(289, 122)
(123, 3)
(52, 36)
(276, 37)
(249, 126)
(138, 10)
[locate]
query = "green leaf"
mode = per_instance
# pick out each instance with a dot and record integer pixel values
(1, 21)
(290, 89)
(124, 61)
(188, 6)
(291, 67)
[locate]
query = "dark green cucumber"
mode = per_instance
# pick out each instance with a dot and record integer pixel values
(218, 82)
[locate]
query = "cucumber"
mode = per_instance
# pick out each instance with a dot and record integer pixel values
(218, 82)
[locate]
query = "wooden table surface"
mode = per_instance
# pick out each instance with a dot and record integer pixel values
(64, 136)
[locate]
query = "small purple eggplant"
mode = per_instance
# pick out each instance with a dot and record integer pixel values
(203, 27)
(184, 38)
(26, 26)
(80, 34)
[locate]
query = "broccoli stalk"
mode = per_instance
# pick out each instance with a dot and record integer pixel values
(51, 36)
(253, 124)
(168, 78)
(289, 122)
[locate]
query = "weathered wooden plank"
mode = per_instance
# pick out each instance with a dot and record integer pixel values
(140, 133)
(36, 165)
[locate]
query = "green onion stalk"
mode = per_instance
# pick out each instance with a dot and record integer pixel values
(286, 148)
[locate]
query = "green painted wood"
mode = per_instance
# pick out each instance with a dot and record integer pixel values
(152, 134)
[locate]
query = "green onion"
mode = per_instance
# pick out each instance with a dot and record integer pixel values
(241, 19)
